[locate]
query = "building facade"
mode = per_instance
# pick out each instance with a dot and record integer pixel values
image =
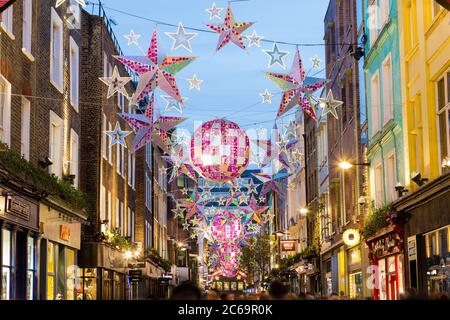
(424, 43)
(42, 208)
(342, 265)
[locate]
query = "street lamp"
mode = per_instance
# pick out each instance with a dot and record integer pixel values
(303, 211)
(345, 165)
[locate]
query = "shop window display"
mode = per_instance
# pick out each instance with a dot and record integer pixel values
(31, 270)
(86, 284)
(70, 274)
(438, 260)
(51, 271)
(6, 267)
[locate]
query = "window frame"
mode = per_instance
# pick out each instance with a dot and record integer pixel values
(74, 156)
(7, 22)
(445, 109)
(58, 161)
(25, 135)
(56, 21)
(387, 107)
(5, 125)
(377, 108)
(27, 28)
(74, 51)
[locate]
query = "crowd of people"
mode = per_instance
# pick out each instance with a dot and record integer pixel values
(277, 291)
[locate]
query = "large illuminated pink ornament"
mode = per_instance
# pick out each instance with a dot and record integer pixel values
(229, 259)
(226, 227)
(220, 150)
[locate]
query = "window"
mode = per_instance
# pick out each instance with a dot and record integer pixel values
(148, 192)
(7, 21)
(6, 264)
(122, 220)
(5, 110)
(74, 74)
(122, 160)
(121, 101)
(56, 51)
(416, 135)
(56, 144)
(373, 22)
(412, 28)
(74, 160)
(118, 157)
(379, 185)
(109, 217)
(103, 204)
(51, 271)
(104, 137)
(74, 12)
(131, 169)
(375, 98)
(443, 106)
(132, 227)
(384, 12)
(387, 89)
(117, 220)
(390, 177)
(109, 142)
(27, 27)
(129, 173)
(31, 268)
(148, 154)
(71, 276)
(25, 129)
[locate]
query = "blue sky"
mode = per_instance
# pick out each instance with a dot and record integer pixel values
(232, 77)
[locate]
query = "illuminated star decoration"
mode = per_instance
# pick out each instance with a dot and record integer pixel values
(316, 62)
(156, 70)
(296, 90)
(178, 211)
(194, 82)
(180, 165)
(266, 96)
(258, 211)
(230, 30)
(186, 226)
(276, 56)
(115, 83)
(148, 130)
(214, 12)
(243, 198)
(251, 187)
(80, 2)
(192, 204)
(272, 182)
(254, 39)
(329, 104)
(172, 104)
(181, 38)
(117, 135)
(132, 38)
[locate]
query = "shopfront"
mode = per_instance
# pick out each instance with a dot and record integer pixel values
(59, 246)
(427, 237)
(386, 252)
(18, 246)
(355, 276)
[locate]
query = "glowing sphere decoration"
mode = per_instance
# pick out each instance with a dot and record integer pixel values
(220, 150)
(226, 226)
(229, 255)
(351, 237)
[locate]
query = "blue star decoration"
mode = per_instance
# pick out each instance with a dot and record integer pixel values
(117, 135)
(276, 56)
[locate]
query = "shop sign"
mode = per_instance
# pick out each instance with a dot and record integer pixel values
(412, 248)
(168, 276)
(19, 208)
(288, 245)
(135, 275)
(385, 246)
(64, 233)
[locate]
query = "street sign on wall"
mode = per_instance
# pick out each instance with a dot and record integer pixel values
(288, 245)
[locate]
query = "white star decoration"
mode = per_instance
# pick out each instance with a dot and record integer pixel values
(80, 2)
(181, 38)
(329, 104)
(173, 104)
(266, 96)
(214, 12)
(316, 62)
(276, 56)
(116, 83)
(254, 39)
(194, 82)
(132, 38)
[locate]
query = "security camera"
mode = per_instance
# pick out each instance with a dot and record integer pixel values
(362, 200)
(400, 189)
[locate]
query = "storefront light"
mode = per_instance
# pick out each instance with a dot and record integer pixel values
(351, 237)
(128, 254)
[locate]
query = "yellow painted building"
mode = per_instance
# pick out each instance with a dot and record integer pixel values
(425, 64)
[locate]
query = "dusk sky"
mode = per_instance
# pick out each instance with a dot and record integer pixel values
(233, 78)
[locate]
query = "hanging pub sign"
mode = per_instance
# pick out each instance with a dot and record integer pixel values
(386, 245)
(288, 245)
(4, 4)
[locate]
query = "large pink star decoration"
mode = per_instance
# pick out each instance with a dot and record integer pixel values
(295, 89)
(148, 130)
(230, 30)
(156, 70)
(257, 211)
